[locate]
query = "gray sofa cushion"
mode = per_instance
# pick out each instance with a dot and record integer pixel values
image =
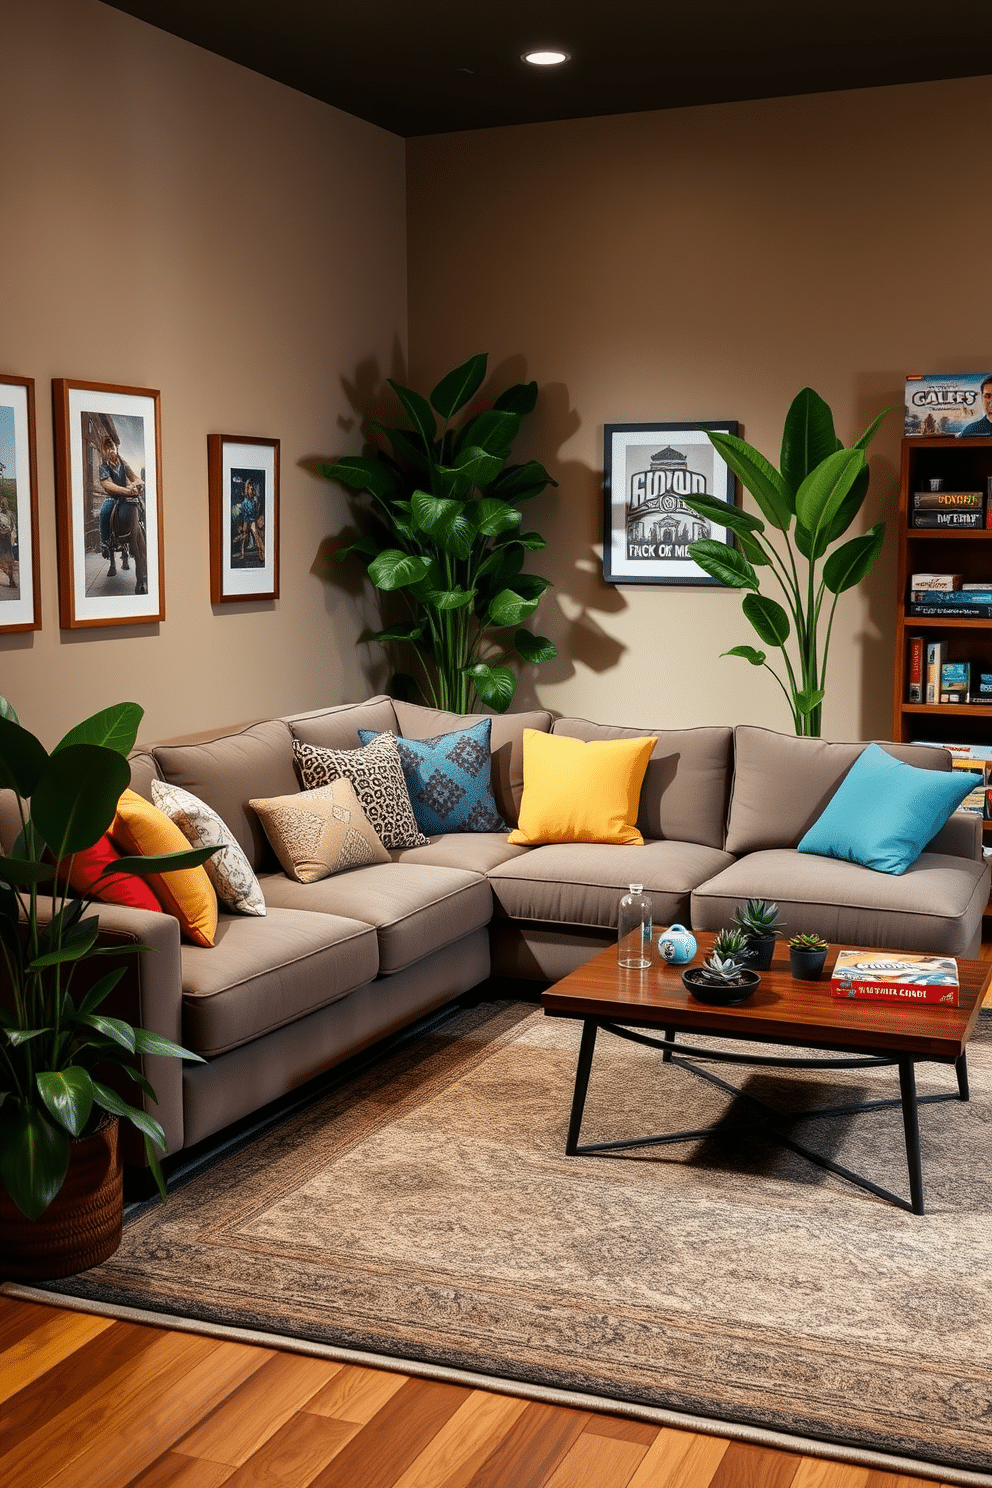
(264, 973)
(506, 745)
(337, 728)
(782, 783)
(581, 883)
(936, 905)
(414, 910)
(229, 771)
(687, 782)
(144, 769)
(477, 851)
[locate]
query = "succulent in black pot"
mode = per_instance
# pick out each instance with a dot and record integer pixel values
(724, 977)
(760, 923)
(807, 953)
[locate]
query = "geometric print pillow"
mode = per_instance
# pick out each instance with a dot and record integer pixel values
(228, 870)
(377, 775)
(449, 779)
(318, 832)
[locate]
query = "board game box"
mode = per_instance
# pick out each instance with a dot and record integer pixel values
(890, 976)
(944, 403)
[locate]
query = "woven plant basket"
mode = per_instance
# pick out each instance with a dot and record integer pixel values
(82, 1224)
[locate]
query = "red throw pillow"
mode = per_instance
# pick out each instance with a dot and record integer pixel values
(119, 888)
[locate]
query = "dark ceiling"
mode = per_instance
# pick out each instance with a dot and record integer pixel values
(445, 65)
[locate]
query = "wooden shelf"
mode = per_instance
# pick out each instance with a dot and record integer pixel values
(952, 622)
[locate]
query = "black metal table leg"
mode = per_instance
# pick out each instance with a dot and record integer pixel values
(911, 1124)
(961, 1070)
(668, 1034)
(586, 1049)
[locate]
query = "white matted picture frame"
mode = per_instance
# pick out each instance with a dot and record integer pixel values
(648, 471)
(243, 474)
(20, 578)
(108, 464)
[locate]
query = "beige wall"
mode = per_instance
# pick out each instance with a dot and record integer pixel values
(705, 264)
(171, 220)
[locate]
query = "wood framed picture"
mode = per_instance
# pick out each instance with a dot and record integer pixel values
(20, 577)
(649, 470)
(244, 517)
(108, 463)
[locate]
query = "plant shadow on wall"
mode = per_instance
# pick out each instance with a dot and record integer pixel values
(443, 531)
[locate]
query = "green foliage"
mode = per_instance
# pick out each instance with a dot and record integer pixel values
(807, 942)
(812, 501)
(720, 969)
(52, 1037)
(731, 942)
(447, 538)
(757, 917)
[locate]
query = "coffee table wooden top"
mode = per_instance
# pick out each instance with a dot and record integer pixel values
(781, 1010)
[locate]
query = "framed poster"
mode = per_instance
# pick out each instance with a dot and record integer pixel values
(20, 580)
(649, 469)
(244, 517)
(108, 461)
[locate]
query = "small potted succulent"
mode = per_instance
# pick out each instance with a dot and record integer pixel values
(760, 923)
(724, 977)
(807, 954)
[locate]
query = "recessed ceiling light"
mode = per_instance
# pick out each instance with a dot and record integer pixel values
(545, 58)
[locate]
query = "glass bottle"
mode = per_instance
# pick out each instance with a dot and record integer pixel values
(634, 929)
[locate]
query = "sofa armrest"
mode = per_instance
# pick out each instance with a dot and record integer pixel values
(960, 836)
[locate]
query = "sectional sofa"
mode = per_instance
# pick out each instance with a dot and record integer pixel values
(337, 964)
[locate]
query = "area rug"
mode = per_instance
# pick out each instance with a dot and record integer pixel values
(425, 1210)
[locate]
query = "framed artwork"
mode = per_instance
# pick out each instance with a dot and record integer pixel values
(20, 580)
(649, 469)
(108, 462)
(244, 517)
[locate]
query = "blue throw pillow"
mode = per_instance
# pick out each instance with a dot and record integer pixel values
(449, 780)
(884, 812)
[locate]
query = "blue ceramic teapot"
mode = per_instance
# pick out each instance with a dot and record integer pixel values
(676, 945)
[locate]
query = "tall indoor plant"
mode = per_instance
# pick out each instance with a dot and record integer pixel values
(446, 535)
(820, 487)
(55, 1043)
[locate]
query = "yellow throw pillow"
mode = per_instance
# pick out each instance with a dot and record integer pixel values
(140, 830)
(578, 791)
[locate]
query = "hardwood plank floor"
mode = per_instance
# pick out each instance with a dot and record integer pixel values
(92, 1403)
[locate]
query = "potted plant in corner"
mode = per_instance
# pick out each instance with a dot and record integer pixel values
(759, 921)
(60, 1174)
(446, 536)
(807, 953)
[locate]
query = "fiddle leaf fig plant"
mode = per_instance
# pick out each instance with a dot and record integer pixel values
(55, 1043)
(447, 536)
(812, 500)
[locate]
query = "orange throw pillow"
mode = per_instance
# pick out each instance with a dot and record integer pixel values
(579, 791)
(140, 830)
(82, 870)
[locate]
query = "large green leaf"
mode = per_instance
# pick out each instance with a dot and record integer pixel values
(850, 563)
(22, 758)
(455, 389)
(21, 872)
(76, 797)
(365, 473)
(757, 475)
(472, 466)
(74, 946)
(756, 658)
(366, 547)
(409, 445)
(8, 711)
(114, 1029)
(502, 565)
(146, 1042)
(402, 630)
(509, 608)
(192, 857)
(848, 509)
(534, 647)
(824, 490)
(531, 542)
(872, 429)
(808, 699)
(495, 685)
(68, 1094)
(109, 1100)
(447, 599)
(417, 409)
(808, 437)
(34, 1157)
(724, 564)
(444, 521)
(395, 570)
(494, 516)
(725, 514)
(753, 551)
(493, 431)
(768, 618)
(520, 482)
(113, 728)
(101, 990)
(521, 398)
(531, 586)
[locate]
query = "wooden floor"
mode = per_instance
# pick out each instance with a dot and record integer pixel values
(87, 1402)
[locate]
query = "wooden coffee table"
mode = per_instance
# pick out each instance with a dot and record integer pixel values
(603, 995)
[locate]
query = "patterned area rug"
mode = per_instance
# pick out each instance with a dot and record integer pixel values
(425, 1210)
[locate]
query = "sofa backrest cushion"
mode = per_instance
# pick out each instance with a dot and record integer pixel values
(687, 783)
(144, 769)
(783, 783)
(227, 772)
(506, 743)
(337, 728)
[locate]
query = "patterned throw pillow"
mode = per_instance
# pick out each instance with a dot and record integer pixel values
(319, 832)
(449, 779)
(377, 775)
(228, 870)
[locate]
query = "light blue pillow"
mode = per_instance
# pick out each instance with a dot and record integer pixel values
(884, 812)
(449, 780)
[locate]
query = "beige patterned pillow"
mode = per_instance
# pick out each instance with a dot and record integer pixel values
(319, 832)
(228, 870)
(380, 785)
